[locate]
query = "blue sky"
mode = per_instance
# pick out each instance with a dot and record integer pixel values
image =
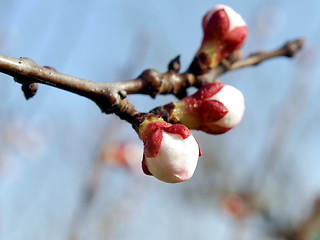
(109, 41)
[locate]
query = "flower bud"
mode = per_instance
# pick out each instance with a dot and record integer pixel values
(215, 108)
(170, 151)
(224, 32)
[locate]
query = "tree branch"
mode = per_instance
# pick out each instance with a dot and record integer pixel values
(288, 50)
(111, 97)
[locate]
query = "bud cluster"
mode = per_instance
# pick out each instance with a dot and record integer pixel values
(170, 150)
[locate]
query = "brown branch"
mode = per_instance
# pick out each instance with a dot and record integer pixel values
(107, 96)
(111, 97)
(288, 50)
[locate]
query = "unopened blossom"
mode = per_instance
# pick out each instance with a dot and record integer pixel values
(215, 108)
(170, 151)
(224, 31)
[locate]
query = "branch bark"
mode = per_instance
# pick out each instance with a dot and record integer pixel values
(111, 97)
(287, 50)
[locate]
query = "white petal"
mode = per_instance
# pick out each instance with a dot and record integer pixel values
(177, 159)
(235, 18)
(233, 100)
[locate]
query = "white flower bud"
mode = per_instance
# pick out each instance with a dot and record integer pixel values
(177, 159)
(170, 151)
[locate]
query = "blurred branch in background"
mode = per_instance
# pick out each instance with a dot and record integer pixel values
(309, 228)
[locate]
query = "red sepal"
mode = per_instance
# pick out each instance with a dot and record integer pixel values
(200, 152)
(208, 90)
(153, 144)
(215, 26)
(180, 129)
(234, 40)
(212, 111)
(214, 129)
(151, 128)
(144, 166)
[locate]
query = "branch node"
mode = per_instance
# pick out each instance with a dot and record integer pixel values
(122, 93)
(200, 64)
(235, 56)
(152, 81)
(29, 90)
(174, 65)
(292, 47)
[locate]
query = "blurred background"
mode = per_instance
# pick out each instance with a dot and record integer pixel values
(67, 171)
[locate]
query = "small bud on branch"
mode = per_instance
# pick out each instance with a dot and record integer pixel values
(170, 151)
(224, 31)
(215, 108)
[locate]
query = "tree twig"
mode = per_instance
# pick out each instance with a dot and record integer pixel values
(111, 97)
(288, 50)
